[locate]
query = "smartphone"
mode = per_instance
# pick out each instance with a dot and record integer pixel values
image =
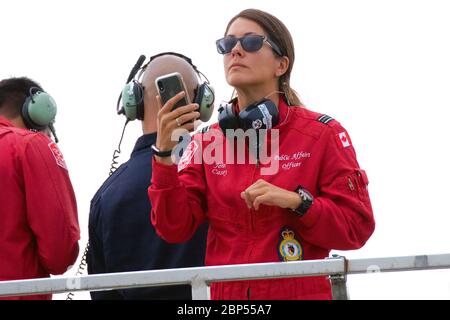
(169, 85)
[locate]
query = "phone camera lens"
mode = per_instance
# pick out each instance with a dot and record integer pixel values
(160, 86)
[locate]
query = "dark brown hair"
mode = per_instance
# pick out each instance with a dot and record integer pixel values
(278, 33)
(13, 92)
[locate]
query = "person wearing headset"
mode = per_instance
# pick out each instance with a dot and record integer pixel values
(39, 228)
(121, 236)
(305, 197)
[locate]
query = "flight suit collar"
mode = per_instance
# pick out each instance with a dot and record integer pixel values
(144, 142)
(5, 122)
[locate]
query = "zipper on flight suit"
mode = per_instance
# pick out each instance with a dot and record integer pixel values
(252, 210)
(350, 184)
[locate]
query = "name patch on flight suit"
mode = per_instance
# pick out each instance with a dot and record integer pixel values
(57, 155)
(289, 249)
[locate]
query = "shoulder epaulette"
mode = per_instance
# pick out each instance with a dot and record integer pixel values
(324, 119)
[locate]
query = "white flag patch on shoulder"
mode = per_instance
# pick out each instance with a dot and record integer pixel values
(343, 140)
(59, 158)
(187, 156)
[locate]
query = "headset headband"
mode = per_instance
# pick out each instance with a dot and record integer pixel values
(188, 60)
(176, 54)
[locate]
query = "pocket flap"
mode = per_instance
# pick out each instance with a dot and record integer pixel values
(363, 176)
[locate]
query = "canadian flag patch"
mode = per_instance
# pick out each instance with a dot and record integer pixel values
(57, 155)
(187, 155)
(343, 140)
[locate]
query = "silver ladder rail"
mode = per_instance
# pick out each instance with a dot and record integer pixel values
(201, 277)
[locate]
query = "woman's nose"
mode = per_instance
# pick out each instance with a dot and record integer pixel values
(237, 49)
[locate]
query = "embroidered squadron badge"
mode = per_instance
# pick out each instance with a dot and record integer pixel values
(59, 158)
(289, 249)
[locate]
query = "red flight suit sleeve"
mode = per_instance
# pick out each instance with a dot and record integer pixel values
(178, 198)
(51, 204)
(341, 216)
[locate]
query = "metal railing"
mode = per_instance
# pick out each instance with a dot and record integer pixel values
(201, 277)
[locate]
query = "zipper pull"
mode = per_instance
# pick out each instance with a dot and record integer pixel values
(350, 184)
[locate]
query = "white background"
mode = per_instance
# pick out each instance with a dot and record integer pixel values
(381, 68)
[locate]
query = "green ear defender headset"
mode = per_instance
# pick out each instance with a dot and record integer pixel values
(39, 111)
(132, 95)
(133, 100)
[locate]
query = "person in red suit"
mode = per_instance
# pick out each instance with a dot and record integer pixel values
(39, 228)
(305, 197)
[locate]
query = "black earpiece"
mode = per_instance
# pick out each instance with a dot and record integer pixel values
(259, 115)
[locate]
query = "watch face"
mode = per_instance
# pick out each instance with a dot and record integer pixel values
(305, 195)
(307, 200)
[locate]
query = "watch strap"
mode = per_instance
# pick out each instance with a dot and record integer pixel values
(159, 153)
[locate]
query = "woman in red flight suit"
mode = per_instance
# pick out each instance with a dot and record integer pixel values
(299, 203)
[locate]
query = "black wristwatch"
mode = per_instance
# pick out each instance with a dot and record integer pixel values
(160, 153)
(307, 201)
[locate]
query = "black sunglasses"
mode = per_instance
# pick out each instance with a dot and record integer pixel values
(249, 43)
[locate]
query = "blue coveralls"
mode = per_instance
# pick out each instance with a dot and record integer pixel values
(122, 237)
